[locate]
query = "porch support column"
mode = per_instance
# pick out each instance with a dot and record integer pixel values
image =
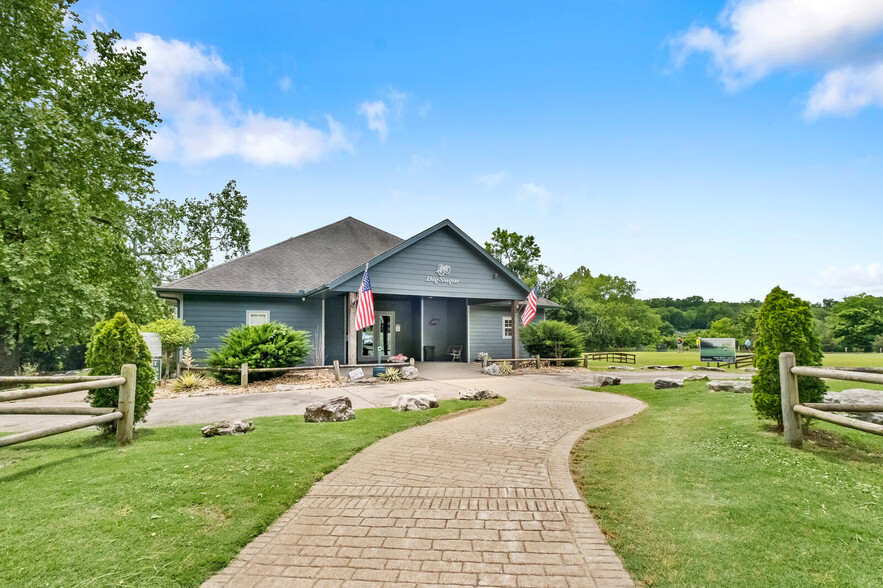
(516, 346)
(352, 299)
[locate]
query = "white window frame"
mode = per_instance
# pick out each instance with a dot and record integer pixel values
(248, 314)
(507, 318)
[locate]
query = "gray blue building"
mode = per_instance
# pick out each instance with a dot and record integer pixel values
(434, 293)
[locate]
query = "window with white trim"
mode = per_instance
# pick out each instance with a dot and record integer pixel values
(507, 327)
(254, 318)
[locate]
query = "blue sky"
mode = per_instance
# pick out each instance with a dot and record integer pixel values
(702, 147)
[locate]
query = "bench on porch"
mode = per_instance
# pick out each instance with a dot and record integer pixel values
(455, 352)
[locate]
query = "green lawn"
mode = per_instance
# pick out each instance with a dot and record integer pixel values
(696, 491)
(172, 508)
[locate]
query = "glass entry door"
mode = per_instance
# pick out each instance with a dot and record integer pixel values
(377, 343)
(385, 331)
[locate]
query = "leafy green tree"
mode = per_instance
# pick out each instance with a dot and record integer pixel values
(857, 320)
(551, 339)
(605, 310)
(723, 328)
(520, 254)
(80, 238)
(115, 343)
(264, 346)
(174, 334)
(784, 323)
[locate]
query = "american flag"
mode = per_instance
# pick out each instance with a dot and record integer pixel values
(530, 310)
(365, 309)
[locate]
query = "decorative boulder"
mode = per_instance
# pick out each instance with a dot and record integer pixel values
(606, 381)
(475, 394)
(621, 368)
(708, 369)
(751, 370)
(665, 367)
(333, 410)
(228, 428)
(409, 373)
(663, 383)
(696, 377)
(738, 386)
(859, 396)
(406, 402)
(491, 370)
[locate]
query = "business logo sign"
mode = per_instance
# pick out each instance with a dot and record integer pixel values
(443, 271)
(720, 350)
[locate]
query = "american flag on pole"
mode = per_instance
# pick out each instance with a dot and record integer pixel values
(530, 310)
(365, 308)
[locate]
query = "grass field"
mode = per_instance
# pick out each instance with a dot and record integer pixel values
(690, 358)
(696, 491)
(173, 507)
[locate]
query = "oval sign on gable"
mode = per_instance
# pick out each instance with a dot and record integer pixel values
(434, 322)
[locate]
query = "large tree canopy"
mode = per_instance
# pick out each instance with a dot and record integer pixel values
(520, 254)
(80, 237)
(857, 321)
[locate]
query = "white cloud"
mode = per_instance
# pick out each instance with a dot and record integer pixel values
(376, 114)
(855, 279)
(846, 90)
(185, 80)
(285, 84)
(535, 193)
(492, 180)
(424, 108)
(759, 36)
(632, 229)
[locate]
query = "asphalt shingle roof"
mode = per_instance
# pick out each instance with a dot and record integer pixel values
(302, 263)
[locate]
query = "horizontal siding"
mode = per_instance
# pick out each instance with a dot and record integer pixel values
(335, 329)
(486, 332)
(213, 316)
(406, 271)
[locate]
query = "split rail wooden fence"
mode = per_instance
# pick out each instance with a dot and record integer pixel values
(244, 370)
(793, 409)
(124, 412)
(611, 357)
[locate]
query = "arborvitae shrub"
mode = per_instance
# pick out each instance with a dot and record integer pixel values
(114, 343)
(784, 323)
(552, 339)
(262, 346)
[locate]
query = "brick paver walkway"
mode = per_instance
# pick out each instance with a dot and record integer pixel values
(483, 499)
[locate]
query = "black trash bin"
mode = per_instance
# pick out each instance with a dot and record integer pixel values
(429, 353)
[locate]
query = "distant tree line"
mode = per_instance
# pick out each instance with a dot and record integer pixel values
(608, 315)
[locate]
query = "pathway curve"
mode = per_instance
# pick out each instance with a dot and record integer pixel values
(483, 499)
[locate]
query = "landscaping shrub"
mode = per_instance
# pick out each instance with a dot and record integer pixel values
(187, 382)
(784, 323)
(552, 339)
(262, 346)
(173, 333)
(391, 375)
(114, 343)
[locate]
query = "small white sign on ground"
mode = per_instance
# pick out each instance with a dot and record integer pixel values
(356, 374)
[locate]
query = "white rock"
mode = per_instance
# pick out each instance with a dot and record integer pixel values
(491, 370)
(696, 377)
(738, 386)
(476, 394)
(330, 411)
(228, 428)
(409, 373)
(605, 381)
(406, 402)
(859, 396)
(663, 383)
(708, 369)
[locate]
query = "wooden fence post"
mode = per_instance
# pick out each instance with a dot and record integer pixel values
(412, 362)
(586, 360)
(336, 370)
(484, 361)
(244, 378)
(126, 405)
(790, 398)
(538, 361)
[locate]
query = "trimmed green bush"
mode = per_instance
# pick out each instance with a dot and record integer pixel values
(262, 346)
(113, 344)
(784, 323)
(173, 334)
(552, 339)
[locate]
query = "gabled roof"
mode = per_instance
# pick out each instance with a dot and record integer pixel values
(419, 237)
(296, 266)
